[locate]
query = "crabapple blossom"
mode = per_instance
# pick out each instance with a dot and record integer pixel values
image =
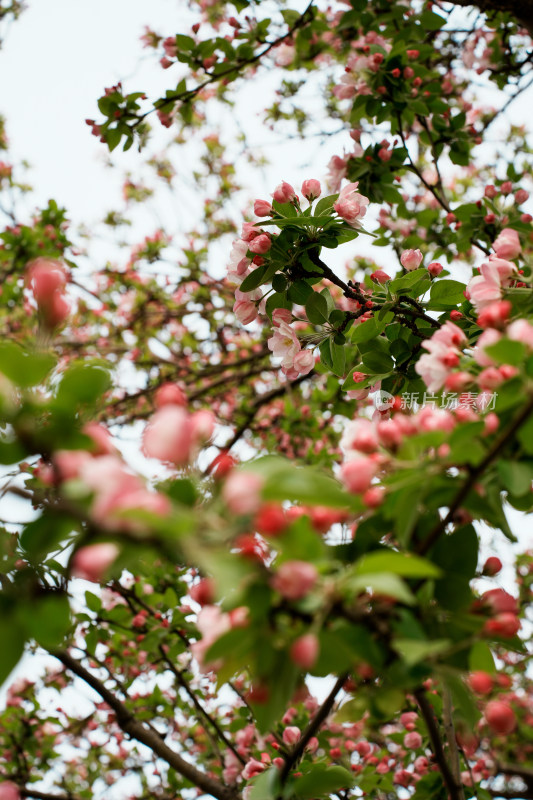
(507, 244)
(168, 436)
(294, 579)
(92, 562)
(242, 492)
(357, 474)
(284, 193)
(500, 717)
(311, 189)
(351, 205)
(411, 259)
(304, 651)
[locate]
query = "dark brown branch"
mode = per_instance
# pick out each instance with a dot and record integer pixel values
(149, 737)
(298, 750)
(474, 476)
(454, 789)
(198, 706)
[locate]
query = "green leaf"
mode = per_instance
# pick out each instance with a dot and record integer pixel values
(431, 21)
(385, 583)
(325, 204)
(13, 638)
(316, 308)
(516, 476)
(254, 279)
(365, 331)
(377, 362)
(265, 786)
(83, 383)
(404, 564)
(481, 658)
(321, 781)
(23, 367)
(446, 293)
(507, 352)
(414, 650)
(48, 619)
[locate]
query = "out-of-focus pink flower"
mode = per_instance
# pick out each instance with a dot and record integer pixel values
(294, 579)
(357, 474)
(507, 244)
(169, 394)
(242, 492)
(291, 734)
(521, 331)
(252, 768)
(92, 562)
(167, 436)
(304, 651)
(360, 435)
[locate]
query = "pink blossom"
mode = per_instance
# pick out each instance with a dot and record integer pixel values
(245, 311)
(507, 244)
(357, 474)
(102, 442)
(284, 344)
(92, 562)
(435, 268)
(303, 362)
(311, 189)
(9, 791)
(294, 579)
(169, 394)
(238, 261)
(291, 734)
(521, 331)
(411, 259)
(360, 435)
(249, 232)
(284, 54)
(262, 208)
(495, 315)
(261, 244)
(284, 193)
(242, 492)
(167, 436)
(253, 767)
(212, 624)
(304, 651)
(412, 740)
(379, 276)
(337, 167)
(351, 205)
(202, 426)
(488, 337)
(281, 315)
(443, 355)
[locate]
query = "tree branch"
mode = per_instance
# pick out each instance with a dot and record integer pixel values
(454, 789)
(522, 12)
(150, 738)
(297, 752)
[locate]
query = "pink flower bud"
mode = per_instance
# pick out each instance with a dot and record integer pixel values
(261, 244)
(92, 562)
(490, 191)
(304, 651)
(500, 717)
(9, 791)
(379, 276)
(242, 492)
(167, 436)
(480, 682)
(245, 311)
(412, 740)
(507, 244)
(357, 474)
(506, 187)
(411, 259)
(294, 579)
(262, 208)
(311, 189)
(169, 394)
(435, 268)
(291, 735)
(521, 196)
(284, 193)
